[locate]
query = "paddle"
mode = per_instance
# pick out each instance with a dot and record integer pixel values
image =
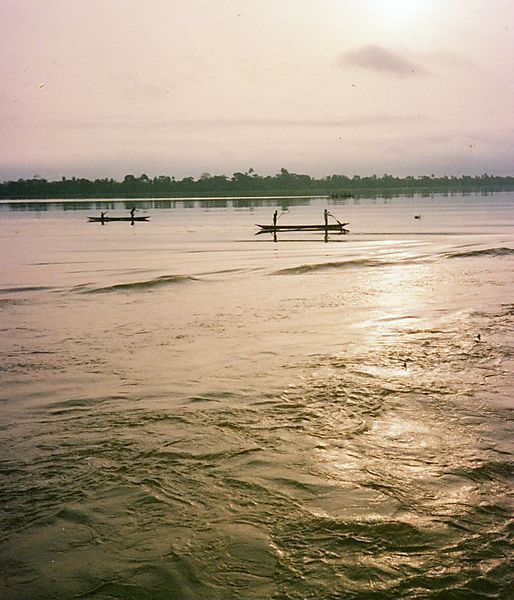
(331, 215)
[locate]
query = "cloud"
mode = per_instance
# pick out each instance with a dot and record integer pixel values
(120, 123)
(377, 58)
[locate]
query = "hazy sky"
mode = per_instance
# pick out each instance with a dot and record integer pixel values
(101, 88)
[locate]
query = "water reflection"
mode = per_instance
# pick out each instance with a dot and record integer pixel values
(218, 203)
(284, 202)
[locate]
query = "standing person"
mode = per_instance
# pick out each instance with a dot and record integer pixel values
(132, 211)
(275, 218)
(325, 216)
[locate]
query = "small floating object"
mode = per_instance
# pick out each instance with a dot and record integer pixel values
(417, 217)
(478, 338)
(109, 219)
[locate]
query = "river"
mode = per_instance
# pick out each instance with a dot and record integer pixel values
(189, 410)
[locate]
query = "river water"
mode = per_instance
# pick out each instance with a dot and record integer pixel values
(191, 411)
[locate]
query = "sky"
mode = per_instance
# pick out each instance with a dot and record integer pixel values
(103, 88)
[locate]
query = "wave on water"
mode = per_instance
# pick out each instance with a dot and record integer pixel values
(362, 479)
(341, 265)
(502, 251)
(4, 302)
(488, 471)
(17, 290)
(141, 285)
(374, 262)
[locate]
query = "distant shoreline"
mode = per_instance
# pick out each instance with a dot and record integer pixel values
(349, 193)
(249, 184)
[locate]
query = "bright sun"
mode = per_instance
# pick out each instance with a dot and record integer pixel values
(399, 10)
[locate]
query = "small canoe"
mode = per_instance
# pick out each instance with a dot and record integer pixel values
(109, 219)
(331, 227)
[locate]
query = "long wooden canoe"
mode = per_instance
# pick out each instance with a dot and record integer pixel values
(108, 219)
(332, 227)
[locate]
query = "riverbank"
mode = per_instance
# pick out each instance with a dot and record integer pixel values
(283, 184)
(348, 193)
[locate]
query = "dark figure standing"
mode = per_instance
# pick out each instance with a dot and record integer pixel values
(102, 217)
(275, 218)
(325, 216)
(132, 211)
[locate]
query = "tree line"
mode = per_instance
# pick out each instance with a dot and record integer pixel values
(247, 183)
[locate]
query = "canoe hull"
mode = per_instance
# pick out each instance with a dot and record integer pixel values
(110, 219)
(331, 227)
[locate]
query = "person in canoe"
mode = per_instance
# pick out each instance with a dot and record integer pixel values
(102, 216)
(325, 214)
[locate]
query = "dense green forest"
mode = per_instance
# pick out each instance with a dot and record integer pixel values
(246, 184)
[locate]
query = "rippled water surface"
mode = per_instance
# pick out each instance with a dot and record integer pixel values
(192, 411)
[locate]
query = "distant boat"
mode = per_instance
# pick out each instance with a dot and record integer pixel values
(342, 195)
(108, 219)
(332, 227)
